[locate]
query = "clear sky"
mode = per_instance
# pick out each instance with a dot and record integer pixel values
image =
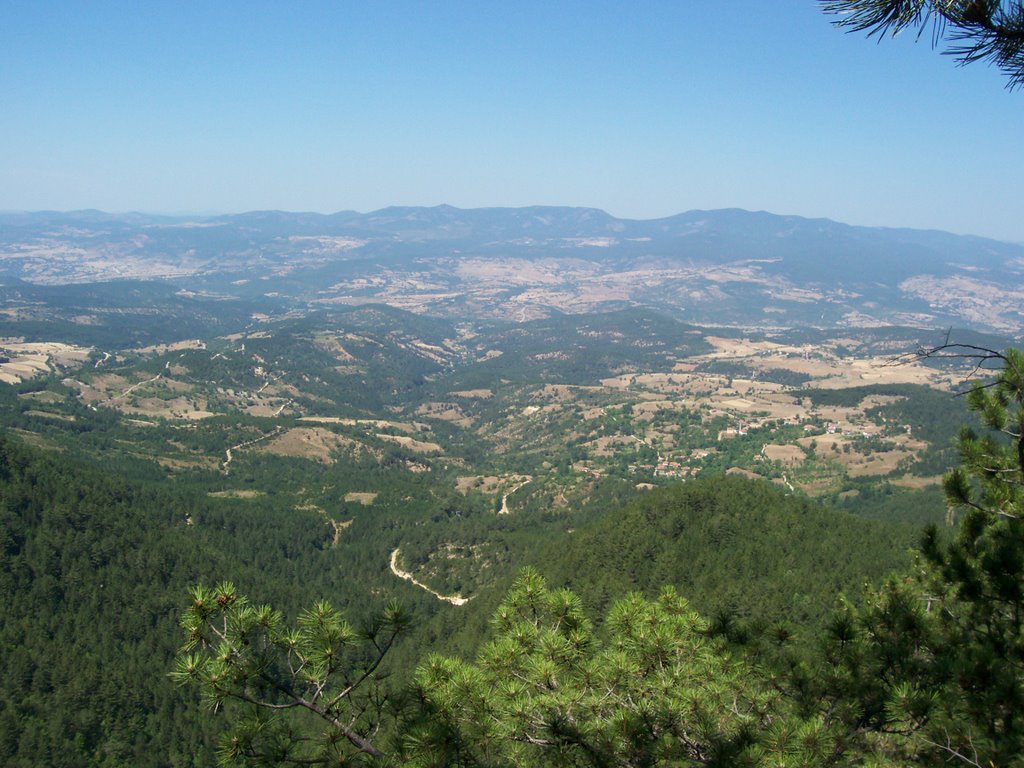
(644, 109)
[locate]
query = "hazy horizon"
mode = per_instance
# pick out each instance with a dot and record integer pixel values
(643, 112)
(214, 214)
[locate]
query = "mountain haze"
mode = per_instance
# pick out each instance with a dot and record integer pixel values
(727, 266)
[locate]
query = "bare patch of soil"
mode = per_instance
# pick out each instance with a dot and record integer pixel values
(363, 497)
(43, 397)
(784, 454)
(314, 443)
(740, 472)
(418, 446)
(917, 483)
(401, 426)
(473, 394)
(49, 415)
(449, 412)
(237, 493)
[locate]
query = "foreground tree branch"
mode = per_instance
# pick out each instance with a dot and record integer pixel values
(948, 643)
(978, 30)
(239, 652)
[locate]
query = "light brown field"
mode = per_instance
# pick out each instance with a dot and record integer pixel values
(314, 443)
(828, 370)
(44, 396)
(917, 483)
(474, 394)
(419, 446)
(645, 411)
(266, 408)
(993, 304)
(237, 493)
(50, 415)
(30, 359)
(363, 497)
(450, 412)
(859, 465)
(18, 370)
(740, 472)
(825, 444)
(175, 408)
(401, 426)
(177, 346)
(785, 454)
(508, 272)
(563, 393)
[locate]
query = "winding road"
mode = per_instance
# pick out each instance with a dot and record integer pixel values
(453, 599)
(133, 387)
(504, 499)
(227, 454)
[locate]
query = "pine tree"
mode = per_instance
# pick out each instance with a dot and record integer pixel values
(243, 655)
(979, 578)
(933, 664)
(548, 691)
(981, 30)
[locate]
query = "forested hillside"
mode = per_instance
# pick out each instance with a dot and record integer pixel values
(90, 569)
(96, 568)
(738, 548)
(925, 670)
(362, 454)
(93, 572)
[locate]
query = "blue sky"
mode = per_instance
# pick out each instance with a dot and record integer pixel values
(642, 109)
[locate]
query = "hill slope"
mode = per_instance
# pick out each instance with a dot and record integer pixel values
(731, 546)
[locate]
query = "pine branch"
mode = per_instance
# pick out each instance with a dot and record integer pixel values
(979, 30)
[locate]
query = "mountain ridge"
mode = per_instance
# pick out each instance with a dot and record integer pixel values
(11, 216)
(724, 266)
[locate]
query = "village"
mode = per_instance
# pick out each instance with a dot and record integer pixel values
(756, 426)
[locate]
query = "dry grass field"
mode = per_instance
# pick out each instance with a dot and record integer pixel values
(489, 484)
(401, 426)
(417, 446)
(473, 394)
(314, 443)
(26, 360)
(363, 497)
(450, 412)
(784, 454)
(236, 493)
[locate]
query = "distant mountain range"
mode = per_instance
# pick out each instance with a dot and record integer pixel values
(728, 266)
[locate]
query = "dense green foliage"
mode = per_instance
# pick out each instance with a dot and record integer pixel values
(739, 548)
(548, 691)
(121, 506)
(241, 653)
(582, 349)
(120, 314)
(88, 574)
(925, 672)
(91, 567)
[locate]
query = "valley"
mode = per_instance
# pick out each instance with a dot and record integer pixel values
(332, 410)
(376, 409)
